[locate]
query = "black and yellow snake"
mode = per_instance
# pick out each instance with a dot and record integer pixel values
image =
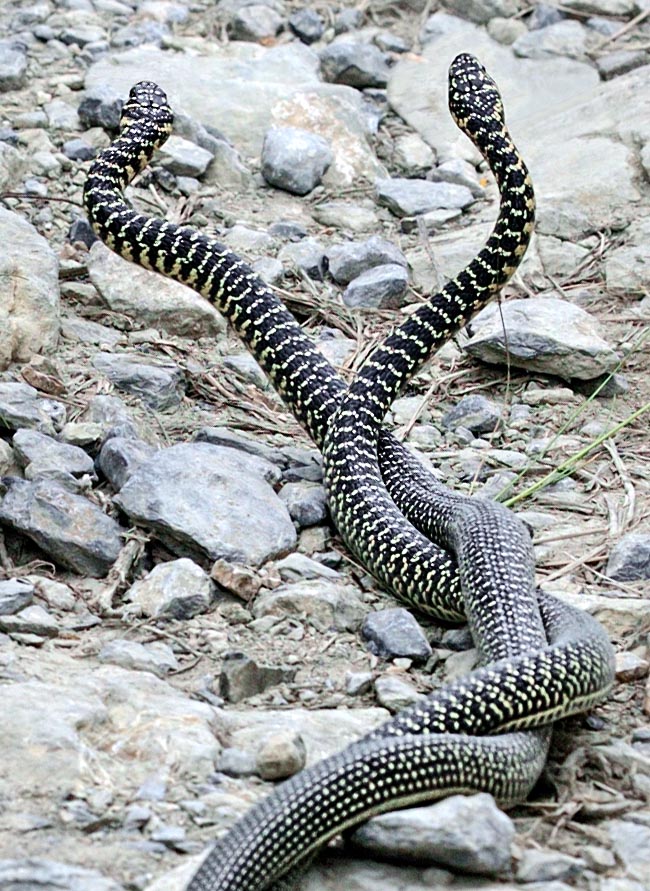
(545, 659)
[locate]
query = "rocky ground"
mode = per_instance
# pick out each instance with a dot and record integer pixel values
(179, 624)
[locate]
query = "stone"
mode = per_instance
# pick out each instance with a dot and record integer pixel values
(78, 150)
(544, 334)
(224, 436)
(85, 331)
(393, 633)
(297, 566)
(37, 872)
(236, 763)
(382, 287)
(481, 11)
(475, 413)
(395, 693)
(30, 620)
(566, 38)
(409, 197)
(112, 416)
(256, 21)
(155, 657)
(630, 558)
(150, 298)
(621, 61)
(350, 217)
(602, 7)
(119, 458)
(242, 677)
(354, 64)
(358, 682)
(631, 667)
(325, 603)
(210, 502)
(348, 260)
(158, 384)
(294, 160)
(536, 865)
(627, 269)
(29, 296)
(280, 755)
(178, 589)
(307, 255)
(631, 843)
(466, 833)
(544, 15)
(69, 528)
(412, 154)
(183, 158)
(506, 31)
(247, 369)
(13, 67)
(42, 456)
(15, 595)
(306, 503)
(307, 24)
(100, 108)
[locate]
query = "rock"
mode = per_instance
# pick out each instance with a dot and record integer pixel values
(178, 589)
(223, 436)
(69, 528)
(206, 501)
(354, 64)
(150, 298)
(631, 843)
(543, 866)
(13, 67)
(248, 369)
(630, 558)
(467, 833)
(544, 15)
(294, 160)
(413, 155)
(627, 269)
(566, 38)
(393, 633)
(409, 197)
(242, 677)
(112, 415)
(506, 31)
(348, 260)
(183, 158)
(307, 24)
(31, 620)
(281, 755)
(157, 658)
(351, 217)
(543, 334)
(358, 682)
(394, 693)
(85, 331)
(382, 287)
(299, 566)
(621, 61)
(158, 384)
(306, 503)
(35, 872)
(481, 11)
(308, 255)
(22, 406)
(475, 413)
(630, 667)
(29, 298)
(119, 458)
(43, 457)
(326, 604)
(602, 7)
(15, 595)
(236, 763)
(256, 21)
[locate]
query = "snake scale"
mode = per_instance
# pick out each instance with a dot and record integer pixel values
(541, 659)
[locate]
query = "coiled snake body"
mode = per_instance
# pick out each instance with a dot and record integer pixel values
(551, 660)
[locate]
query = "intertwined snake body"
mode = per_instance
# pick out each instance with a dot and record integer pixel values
(448, 742)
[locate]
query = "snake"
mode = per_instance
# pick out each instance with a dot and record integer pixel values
(469, 735)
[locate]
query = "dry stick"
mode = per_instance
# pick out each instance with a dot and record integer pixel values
(630, 491)
(567, 466)
(596, 554)
(641, 17)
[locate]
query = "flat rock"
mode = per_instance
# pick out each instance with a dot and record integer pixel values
(476, 413)
(31, 620)
(631, 842)
(325, 603)
(42, 456)
(468, 833)
(395, 693)
(184, 158)
(355, 64)
(543, 334)
(306, 502)
(242, 677)
(382, 287)
(567, 38)
(150, 298)
(47, 875)
(15, 595)
(158, 384)
(178, 589)
(394, 633)
(627, 268)
(409, 197)
(543, 866)
(348, 260)
(119, 458)
(210, 502)
(29, 297)
(155, 657)
(69, 528)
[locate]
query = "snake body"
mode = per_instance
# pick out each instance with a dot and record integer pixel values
(441, 745)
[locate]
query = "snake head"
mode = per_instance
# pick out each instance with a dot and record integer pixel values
(147, 102)
(472, 92)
